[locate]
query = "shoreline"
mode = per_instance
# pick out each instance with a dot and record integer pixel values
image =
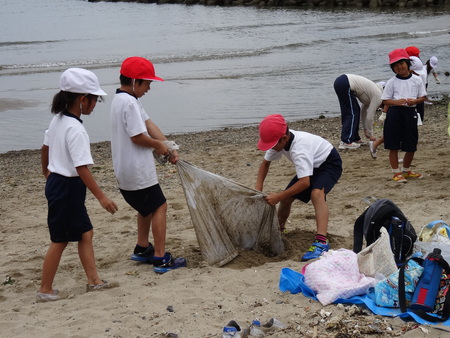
(204, 298)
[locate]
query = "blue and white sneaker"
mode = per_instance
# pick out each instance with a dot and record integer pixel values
(315, 251)
(235, 330)
(144, 256)
(168, 263)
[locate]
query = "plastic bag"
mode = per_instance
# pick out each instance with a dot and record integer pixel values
(377, 258)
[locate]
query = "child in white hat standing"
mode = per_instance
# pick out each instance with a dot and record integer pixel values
(65, 157)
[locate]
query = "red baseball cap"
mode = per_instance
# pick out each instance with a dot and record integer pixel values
(139, 68)
(397, 55)
(412, 51)
(271, 129)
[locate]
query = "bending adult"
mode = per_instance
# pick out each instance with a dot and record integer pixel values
(349, 89)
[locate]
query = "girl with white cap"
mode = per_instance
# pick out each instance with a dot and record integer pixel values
(431, 65)
(65, 157)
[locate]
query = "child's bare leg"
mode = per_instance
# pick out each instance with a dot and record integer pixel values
(284, 210)
(393, 159)
(143, 229)
(87, 258)
(377, 142)
(51, 263)
(407, 159)
(159, 230)
(321, 210)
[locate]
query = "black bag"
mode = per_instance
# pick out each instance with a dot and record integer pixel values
(384, 213)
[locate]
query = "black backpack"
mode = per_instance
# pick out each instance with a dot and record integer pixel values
(384, 213)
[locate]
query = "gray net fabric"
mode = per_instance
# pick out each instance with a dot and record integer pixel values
(228, 216)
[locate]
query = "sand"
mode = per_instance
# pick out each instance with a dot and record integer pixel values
(199, 300)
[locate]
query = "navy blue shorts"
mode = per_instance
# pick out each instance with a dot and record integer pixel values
(324, 177)
(145, 201)
(400, 129)
(67, 215)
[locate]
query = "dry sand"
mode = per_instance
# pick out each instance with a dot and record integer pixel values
(199, 300)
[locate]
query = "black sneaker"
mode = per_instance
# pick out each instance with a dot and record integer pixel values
(145, 256)
(168, 263)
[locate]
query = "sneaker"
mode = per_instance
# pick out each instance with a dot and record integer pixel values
(168, 263)
(233, 329)
(398, 177)
(99, 287)
(410, 174)
(145, 256)
(258, 330)
(50, 297)
(343, 145)
(373, 151)
(315, 251)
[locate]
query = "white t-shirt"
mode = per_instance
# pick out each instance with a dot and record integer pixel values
(69, 145)
(307, 151)
(408, 88)
(134, 166)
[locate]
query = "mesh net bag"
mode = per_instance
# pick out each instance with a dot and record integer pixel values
(228, 216)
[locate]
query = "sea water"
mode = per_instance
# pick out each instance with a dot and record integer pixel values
(223, 66)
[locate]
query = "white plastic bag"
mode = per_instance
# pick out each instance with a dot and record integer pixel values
(377, 258)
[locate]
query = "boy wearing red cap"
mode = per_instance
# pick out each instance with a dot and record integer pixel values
(134, 139)
(318, 167)
(402, 94)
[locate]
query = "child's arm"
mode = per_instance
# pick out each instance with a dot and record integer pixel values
(392, 102)
(262, 173)
(156, 133)
(302, 184)
(87, 178)
(149, 142)
(44, 161)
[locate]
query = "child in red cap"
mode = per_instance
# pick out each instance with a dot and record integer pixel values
(318, 167)
(134, 139)
(402, 94)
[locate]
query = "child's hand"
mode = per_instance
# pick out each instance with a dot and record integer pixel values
(161, 148)
(273, 198)
(173, 157)
(108, 205)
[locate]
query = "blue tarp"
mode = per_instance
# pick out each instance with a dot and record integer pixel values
(294, 282)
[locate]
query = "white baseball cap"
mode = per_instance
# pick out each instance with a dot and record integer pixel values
(433, 61)
(80, 81)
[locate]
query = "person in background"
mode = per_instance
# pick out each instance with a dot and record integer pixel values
(318, 167)
(431, 65)
(134, 140)
(418, 68)
(349, 89)
(65, 159)
(402, 93)
(413, 51)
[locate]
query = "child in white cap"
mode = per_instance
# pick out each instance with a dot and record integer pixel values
(318, 167)
(134, 139)
(402, 94)
(65, 157)
(431, 65)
